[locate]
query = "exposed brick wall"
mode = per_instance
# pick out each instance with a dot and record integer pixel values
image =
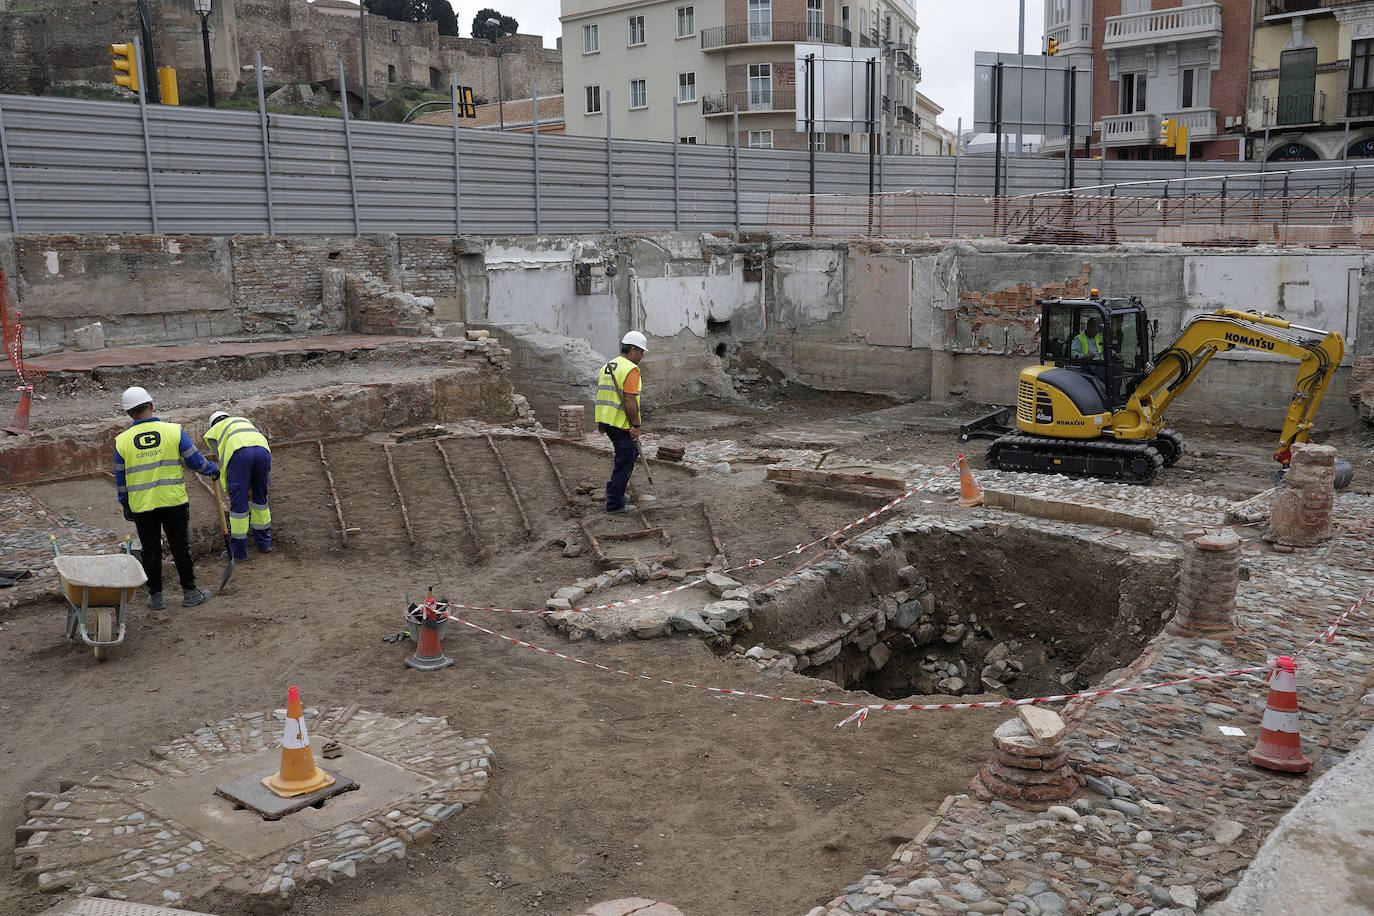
(428, 267)
(277, 286)
(1003, 321)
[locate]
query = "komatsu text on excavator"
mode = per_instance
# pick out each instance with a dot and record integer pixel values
(1095, 405)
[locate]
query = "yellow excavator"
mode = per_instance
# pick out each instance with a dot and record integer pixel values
(1095, 405)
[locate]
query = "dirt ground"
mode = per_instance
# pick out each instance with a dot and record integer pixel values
(603, 786)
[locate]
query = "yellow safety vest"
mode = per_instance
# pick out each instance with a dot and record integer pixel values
(152, 465)
(610, 409)
(232, 434)
(1083, 343)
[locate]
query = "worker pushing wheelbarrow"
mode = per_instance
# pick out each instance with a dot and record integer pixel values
(98, 590)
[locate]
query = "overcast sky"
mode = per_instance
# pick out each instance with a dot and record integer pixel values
(951, 30)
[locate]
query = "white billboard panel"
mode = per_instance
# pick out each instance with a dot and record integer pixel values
(1035, 93)
(841, 77)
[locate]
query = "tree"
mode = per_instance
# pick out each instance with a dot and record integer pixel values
(506, 25)
(443, 14)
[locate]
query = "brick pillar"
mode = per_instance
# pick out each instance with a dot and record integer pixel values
(1207, 589)
(1026, 772)
(1301, 514)
(572, 420)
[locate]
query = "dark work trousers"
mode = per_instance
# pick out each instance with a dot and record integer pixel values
(625, 453)
(176, 521)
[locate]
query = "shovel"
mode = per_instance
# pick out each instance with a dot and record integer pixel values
(224, 528)
(648, 497)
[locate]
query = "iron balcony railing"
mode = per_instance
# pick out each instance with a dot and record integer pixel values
(1279, 7)
(904, 62)
(747, 100)
(745, 33)
(1302, 108)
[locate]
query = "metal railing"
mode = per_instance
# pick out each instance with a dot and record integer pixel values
(1280, 7)
(1175, 23)
(1300, 108)
(747, 100)
(745, 33)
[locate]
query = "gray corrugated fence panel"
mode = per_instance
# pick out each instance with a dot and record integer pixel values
(405, 178)
(708, 196)
(644, 185)
(310, 175)
(572, 194)
(78, 166)
(209, 171)
(498, 183)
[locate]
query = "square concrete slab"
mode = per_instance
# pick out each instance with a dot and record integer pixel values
(192, 802)
(250, 793)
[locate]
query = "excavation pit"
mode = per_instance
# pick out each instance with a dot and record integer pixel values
(933, 607)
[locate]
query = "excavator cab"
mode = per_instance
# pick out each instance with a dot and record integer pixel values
(1106, 342)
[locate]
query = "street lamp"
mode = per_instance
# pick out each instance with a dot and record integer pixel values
(497, 35)
(203, 11)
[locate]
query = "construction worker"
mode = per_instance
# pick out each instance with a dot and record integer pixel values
(617, 415)
(247, 461)
(147, 467)
(1088, 343)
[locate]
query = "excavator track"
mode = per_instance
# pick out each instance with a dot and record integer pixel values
(1129, 461)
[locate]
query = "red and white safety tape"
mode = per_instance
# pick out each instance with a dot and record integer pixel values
(1328, 635)
(861, 710)
(751, 564)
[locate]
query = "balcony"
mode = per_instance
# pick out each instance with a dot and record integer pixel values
(1301, 110)
(1201, 122)
(749, 101)
(906, 116)
(904, 62)
(1290, 7)
(1130, 129)
(761, 33)
(1064, 34)
(1181, 23)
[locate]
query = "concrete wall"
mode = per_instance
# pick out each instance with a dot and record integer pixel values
(929, 320)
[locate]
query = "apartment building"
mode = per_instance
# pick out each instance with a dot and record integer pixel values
(1185, 60)
(1312, 80)
(639, 62)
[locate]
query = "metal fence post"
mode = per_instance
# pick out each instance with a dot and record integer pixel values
(348, 147)
(736, 129)
(534, 122)
(9, 173)
(143, 119)
(610, 169)
(457, 170)
(954, 207)
(266, 148)
(677, 174)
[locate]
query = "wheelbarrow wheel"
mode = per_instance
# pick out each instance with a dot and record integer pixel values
(104, 632)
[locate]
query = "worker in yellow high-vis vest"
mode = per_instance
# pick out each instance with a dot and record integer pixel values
(147, 467)
(618, 390)
(246, 458)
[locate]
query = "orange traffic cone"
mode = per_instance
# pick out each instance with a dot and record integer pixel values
(19, 425)
(1278, 747)
(428, 654)
(970, 494)
(298, 774)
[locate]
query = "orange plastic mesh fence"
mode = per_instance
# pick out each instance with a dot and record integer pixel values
(1195, 219)
(11, 322)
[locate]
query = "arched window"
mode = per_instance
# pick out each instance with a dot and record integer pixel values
(1362, 149)
(1293, 152)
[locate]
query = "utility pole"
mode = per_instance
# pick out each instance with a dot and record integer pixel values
(362, 53)
(145, 23)
(1020, 76)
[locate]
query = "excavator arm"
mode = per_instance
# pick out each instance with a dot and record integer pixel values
(1176, 367)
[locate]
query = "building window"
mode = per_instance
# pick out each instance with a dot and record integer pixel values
(591, 39)
(1132, 93)
(761, 87)
(1297, 85)
(434, 78)
(760, 20)
(636, 30)
(390, 73)
(639, 94)
(395, 35)
(1193, 86)
(844, 21)
(818, 142)
(593, 100)
(1360, 102)
(815, 19)
(844, 143)
(761, 139)
(687, 87)
(863, 21)
(689, 141)
(686, 21)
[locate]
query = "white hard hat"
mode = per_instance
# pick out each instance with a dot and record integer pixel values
(134, 397)
(217, 416)
(635, 339)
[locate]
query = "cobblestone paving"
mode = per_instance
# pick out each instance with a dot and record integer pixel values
(24, 543)
(95, 838)
(1173, 811)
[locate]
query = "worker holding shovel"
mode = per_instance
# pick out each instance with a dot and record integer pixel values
(617, 415)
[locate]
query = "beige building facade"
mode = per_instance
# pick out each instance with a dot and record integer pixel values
(640, 62)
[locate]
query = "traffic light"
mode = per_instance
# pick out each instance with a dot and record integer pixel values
(125, 66)
(1181, 139)
(467, 106)
(1053, 48)
(1168, 132)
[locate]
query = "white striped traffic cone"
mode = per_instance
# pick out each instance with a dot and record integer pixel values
(298, 774)
(1278, 747)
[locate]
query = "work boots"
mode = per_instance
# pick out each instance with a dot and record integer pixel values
(155, 601)
(190, 597)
